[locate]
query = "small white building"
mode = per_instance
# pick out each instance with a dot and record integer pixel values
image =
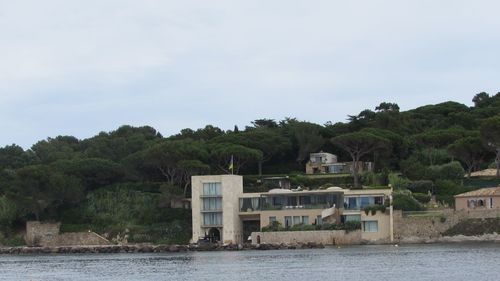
(327, 163)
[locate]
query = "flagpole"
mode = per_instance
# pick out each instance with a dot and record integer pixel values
(232, 165)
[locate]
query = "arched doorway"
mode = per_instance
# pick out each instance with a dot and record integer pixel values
(214, 235)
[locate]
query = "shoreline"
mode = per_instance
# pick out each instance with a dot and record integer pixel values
(148, 248)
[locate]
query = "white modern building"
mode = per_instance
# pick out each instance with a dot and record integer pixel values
(222, 212)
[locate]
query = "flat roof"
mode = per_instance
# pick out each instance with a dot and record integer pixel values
(346, 192)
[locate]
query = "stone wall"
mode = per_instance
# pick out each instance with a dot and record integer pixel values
(431, 225)
(78, 238)
(325, 237)
(47, 234)
(38, 233)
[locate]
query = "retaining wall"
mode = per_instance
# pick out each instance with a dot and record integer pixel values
(47, 235)
(325, 237)
(77, 238)
(39, 233)
(431, 226)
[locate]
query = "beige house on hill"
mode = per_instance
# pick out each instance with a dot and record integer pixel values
(327, 163)
(484, 198)
(222, 212)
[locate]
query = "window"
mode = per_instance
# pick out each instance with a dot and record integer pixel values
(352, 218)
(212, 218)
(379, 200)
(212, 204)
(272, 219)
(491, 202)
(480, 203)
(319, 220)
(288, 221)
(321, 199)
(212, 189)
(277, 201)
(304, 200)
(291, 201)
(296, 220)
(352, 202)
(366, 201)
(305, 219)
(370, 226)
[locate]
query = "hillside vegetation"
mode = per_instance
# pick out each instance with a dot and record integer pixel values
(124, 181)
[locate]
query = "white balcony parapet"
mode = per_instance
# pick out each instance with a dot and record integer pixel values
(328, 212)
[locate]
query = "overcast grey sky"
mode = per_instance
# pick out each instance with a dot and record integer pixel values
(81, 67)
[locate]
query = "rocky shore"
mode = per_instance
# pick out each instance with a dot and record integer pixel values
(146, 248)
(493, 237)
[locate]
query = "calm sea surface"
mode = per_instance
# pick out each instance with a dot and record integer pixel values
(416, 262)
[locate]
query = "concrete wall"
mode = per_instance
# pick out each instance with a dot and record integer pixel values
(383, 234)
(232, 189)
(432, 225)
(326, 237)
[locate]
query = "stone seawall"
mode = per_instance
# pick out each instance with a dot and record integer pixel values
(77, 238)
(46, 234)
(326, 237)
(155, 248)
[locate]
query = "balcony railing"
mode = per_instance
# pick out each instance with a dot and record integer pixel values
(305, 206)
(211, 210)
(211, 196)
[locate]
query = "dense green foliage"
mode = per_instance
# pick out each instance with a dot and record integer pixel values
(473, 227)
(126, 179)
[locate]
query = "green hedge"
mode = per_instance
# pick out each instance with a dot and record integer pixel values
(374, 208)
(404, 201)
(347, 226)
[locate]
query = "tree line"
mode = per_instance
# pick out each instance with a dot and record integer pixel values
(63, 173)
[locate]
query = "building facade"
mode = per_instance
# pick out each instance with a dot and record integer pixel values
(481, 199)
(327, 163)
(222, 212)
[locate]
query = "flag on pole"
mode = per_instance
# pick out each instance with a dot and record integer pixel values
(231, 165)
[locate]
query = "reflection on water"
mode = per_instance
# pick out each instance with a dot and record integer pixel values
(415, 262)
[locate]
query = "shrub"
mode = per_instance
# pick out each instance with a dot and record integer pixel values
(8, 212)
(314, 182)
(303, 227)
(421, 186)
(273, 226)
(404, 201)
(413, 169)
(347, 226)
(448, 171)
(352, 225)
(445, 189)
(398, 182)
(422, 197)
(371, 178)
(12, 241)
(452, 171)
(374, 208)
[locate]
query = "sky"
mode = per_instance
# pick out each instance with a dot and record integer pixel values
(81, 67)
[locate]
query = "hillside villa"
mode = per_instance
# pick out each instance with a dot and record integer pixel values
(327, 163)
